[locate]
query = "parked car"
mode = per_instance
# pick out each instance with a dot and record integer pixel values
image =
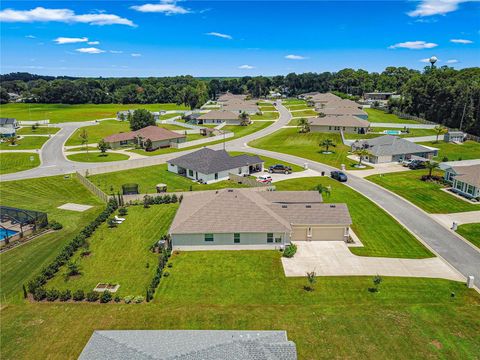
(266, 179)
(338, 175)
(406, 162)
(417, 164)
(280, 168)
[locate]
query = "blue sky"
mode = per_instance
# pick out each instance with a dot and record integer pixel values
(234, 38)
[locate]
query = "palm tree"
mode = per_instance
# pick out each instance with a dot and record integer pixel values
(327, 143)
(431, 165)
(323, 189)
(439, 130)
(361, 153)
(304, 125)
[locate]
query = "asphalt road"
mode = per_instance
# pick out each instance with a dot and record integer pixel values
(458, 253)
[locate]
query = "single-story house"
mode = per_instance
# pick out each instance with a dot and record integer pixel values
(160, 138)
(465, 180)
(124, 114)
(348, 124)
(228, 96)
(250, 107)
(342, 111)
(320, 98)
(388, 148)
(188, 345)
(8, 127)
(257, 219)
(209, 166)
(220, 116)
(454, 136)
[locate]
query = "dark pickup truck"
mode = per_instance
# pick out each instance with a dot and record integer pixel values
(279, 168)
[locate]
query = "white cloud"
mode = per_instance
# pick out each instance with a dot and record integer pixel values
(116, 51)
(167, 7)
(40, 14)
(426, 60)
(66, 40)
(30, 37)
(246, 67)
(414, 45)
(295, 57)
(136, 54)
(93, 42)
(452, 61)
(220, 35)
(461, 41)
(435, 7)
(90, 50)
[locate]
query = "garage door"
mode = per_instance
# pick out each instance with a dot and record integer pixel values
(299, 234)
(327, 234)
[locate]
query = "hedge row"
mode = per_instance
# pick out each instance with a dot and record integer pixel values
(162, 261)
(156, 200)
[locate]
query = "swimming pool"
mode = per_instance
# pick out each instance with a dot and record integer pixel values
(5, 232)
(392, 132)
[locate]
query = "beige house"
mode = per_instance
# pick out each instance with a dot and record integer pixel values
(465, 180)
(256, 219)
(334, 124)
(342, 111)
(249, 106)
(220, 116)
(160, 138)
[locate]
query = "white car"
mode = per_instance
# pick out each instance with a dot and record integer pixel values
(406, 162)
(264, 179)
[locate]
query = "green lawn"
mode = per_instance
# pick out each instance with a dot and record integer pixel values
(380, 234)
(41, 130)
(266, 116)
(471, 232)
(289, 102)
(376, 132)
(59, 113)
(120, 255)
(268, 107)
(26, 143)
(97, 157)
(466, 151)
(43, 194)
(97, 132)
(380, 116)
(13, 162)
(297, 107)
(148, 177)
(426, 195)
(302, 113)
(245, 290)
(290, 141)
(270, 161)
(83, 148)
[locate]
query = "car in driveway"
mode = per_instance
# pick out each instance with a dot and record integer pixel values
(266, 179)
(339, 176)
(279, 168)
(406, 162)
(417, 164)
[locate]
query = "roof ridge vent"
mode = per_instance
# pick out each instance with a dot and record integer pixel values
(332, 205)
(308, 206)
(284, 206)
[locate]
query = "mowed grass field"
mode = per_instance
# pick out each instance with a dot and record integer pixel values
(453, 152)
(42, 194)
(379, 116)
(380, 234)
(59, 113)
(40, 130)
(426, 195)
(97, 157)
(306, 145)
(304, 113)
(148, 177)
(13, 162)
(471, 232)
(26, 143)
(121, 255)
(272, 115)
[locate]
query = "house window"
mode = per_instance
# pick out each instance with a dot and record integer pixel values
(470, 189)
(236, 238)
(190, 172)
(270, 238)
(278, 240)
(309, 232)
(208, 237)
(216, 176)
(124, 142)
(329, 128)
(239, 170)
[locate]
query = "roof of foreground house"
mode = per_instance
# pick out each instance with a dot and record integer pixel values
(250, 211)
(219, 115)
(390, 145)
(345, 120)
(468, 174)
(208, 161)
(9, 121)
(154, 133)
(189, 345)
(339, 111)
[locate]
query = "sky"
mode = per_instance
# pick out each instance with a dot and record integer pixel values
(234, 38)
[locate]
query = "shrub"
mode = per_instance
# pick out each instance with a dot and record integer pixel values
(290, 250)
(128, 299)
(117, 299)
(105, 297)
(39, 294)
(92, 296)
(78, 295)
(170, 265)
(138, 299)
(65, 295)
(123, 211)
(55, 225)
(73, 269)
(166, 274)
(52, 295)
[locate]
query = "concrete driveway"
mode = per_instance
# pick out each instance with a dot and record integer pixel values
(460, 218)
(294, 175)
(333, 258)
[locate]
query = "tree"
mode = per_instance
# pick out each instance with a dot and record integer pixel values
(361, 153)
(323, 189)
(439, 130)
(84, 138)
(311, 278)
(141, 118)
(73, 269)
(34, 127)
(431, 165)
(327, 143)
(12, 140)
(103, 147)
(148, 145)
(304, 125)
(244, 119)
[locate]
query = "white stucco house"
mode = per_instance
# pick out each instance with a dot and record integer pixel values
(465, 180)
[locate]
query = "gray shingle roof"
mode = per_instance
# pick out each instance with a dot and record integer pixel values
(346, 120)
(189, 345)
(208, 161)
(391, 145)
(5, 121)
(219, 115)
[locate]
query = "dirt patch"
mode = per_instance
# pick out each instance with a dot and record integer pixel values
(437, 344)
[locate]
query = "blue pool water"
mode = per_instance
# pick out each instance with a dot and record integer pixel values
(392, 132)
(5, 232)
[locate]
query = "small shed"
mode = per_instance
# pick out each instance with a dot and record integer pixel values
(161, 188)
(454, 136)
(130, 189)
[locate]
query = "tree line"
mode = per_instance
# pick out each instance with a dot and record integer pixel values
(443, 95)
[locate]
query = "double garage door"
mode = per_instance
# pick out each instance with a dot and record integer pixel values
(318, 233)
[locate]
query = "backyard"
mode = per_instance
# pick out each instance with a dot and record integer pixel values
(25, 143)
(453, 152)
(271, 115)
(379, 116)
(306, 145)
(59, 113)
(426, 195)
(471, 232)
(40, 130)
(13, 162)
(303, 113)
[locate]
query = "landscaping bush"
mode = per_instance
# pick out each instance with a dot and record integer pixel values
(92, 296)
(52, 295)
(289, 251)
(162, 261)
(65, 295)
(39, 294)
(117, 299)
(105, 297)
(138, 299)
(123, 211)
(166, 274)
(78, 295)
(128, 299)
(55, 225)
